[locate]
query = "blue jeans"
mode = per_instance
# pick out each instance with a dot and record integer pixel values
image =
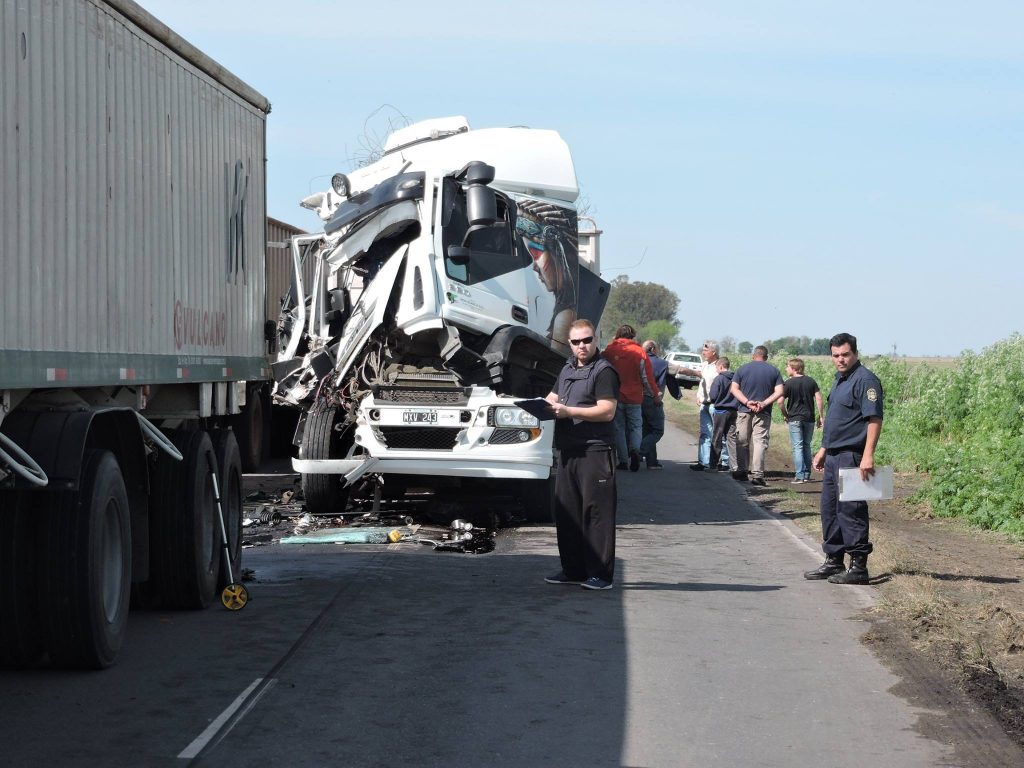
(704, 441)
(654, 428)
(800, 434)
(707, 428)
(629, 429)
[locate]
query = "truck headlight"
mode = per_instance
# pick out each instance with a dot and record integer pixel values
(511, 416)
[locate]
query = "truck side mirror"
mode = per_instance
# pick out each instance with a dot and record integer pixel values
(458, 255)
(481, 205)
(481, 201)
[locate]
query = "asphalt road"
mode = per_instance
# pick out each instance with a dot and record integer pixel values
(712, 650)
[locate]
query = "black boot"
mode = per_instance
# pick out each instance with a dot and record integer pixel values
(857, 573)
(833, 564)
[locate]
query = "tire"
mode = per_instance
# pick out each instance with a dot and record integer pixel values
(538, 498)
(86, 581)
(184, 541)
(250, 428)
(229, 480)
(325, 495)
(21, 642)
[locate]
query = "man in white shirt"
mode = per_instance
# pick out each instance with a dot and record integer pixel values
(708, 372)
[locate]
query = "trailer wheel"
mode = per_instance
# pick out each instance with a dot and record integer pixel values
(184, 533)
(21, 643)
(85, 588)
(251, 426)
(538, 498)
(325, 495)
(229, 480)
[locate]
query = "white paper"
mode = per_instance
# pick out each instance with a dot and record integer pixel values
(878, 486)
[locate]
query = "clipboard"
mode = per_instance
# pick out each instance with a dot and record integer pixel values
(538, 407)
(878, 486)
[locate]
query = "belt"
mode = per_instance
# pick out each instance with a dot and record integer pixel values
(844, 449)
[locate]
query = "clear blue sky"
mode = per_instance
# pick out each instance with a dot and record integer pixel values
(795, 167)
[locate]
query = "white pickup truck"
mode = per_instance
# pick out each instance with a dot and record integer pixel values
(689, 364)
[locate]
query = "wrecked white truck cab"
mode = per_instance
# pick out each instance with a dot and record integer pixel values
(440, 291)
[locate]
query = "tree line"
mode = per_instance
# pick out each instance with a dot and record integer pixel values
(651, 309)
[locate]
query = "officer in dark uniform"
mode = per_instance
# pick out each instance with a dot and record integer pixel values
(853, 424)
(583, 402)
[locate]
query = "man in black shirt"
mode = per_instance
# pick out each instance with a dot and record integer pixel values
(583, 402)
(800, 395)
(853, 424)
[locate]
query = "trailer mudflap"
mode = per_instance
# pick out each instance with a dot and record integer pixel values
(352, 469)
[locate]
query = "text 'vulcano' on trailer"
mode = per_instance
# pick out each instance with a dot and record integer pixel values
(443, 287)
(132, 216)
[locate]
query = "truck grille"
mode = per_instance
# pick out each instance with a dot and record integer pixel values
(421, 395)
(420, 438)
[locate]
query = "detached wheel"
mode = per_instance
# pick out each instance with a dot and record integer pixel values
(229, 480)
(325, 495)
(85, 585)
(21, 642)
(184, 535)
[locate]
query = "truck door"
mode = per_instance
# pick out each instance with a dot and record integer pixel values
(488, 288)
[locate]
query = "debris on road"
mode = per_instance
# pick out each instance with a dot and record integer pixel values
(280, 516)
(348, 535)
(460, 536)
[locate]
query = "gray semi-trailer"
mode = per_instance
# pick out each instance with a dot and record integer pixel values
(132, 236)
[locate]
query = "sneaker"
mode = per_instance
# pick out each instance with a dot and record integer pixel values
(561, 578)
(634, 461)
(595, 583)
(723, 468)
(741, 476)
(797, 481)
(697, 467)
(655, 465)
(759, 481)
(622, 465)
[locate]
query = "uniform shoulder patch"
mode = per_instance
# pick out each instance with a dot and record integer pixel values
(872, 394)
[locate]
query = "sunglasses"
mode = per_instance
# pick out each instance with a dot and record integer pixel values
(584, 340)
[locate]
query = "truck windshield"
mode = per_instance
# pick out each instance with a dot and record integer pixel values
(492, 250)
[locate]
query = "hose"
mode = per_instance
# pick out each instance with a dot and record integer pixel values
(158, 437)
(29, 471)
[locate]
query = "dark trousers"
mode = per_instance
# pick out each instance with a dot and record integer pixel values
(844, 524)
(653, 428)
(724, 422)
(585, 502)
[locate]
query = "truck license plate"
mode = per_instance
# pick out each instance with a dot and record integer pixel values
(419, 417)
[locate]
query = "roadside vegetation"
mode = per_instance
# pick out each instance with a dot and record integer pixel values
(958, 423)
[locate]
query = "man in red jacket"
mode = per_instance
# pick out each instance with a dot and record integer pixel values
(633, 366)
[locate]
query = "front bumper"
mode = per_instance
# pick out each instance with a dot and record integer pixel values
(453, 440)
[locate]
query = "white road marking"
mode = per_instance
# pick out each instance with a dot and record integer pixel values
(213, 728)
